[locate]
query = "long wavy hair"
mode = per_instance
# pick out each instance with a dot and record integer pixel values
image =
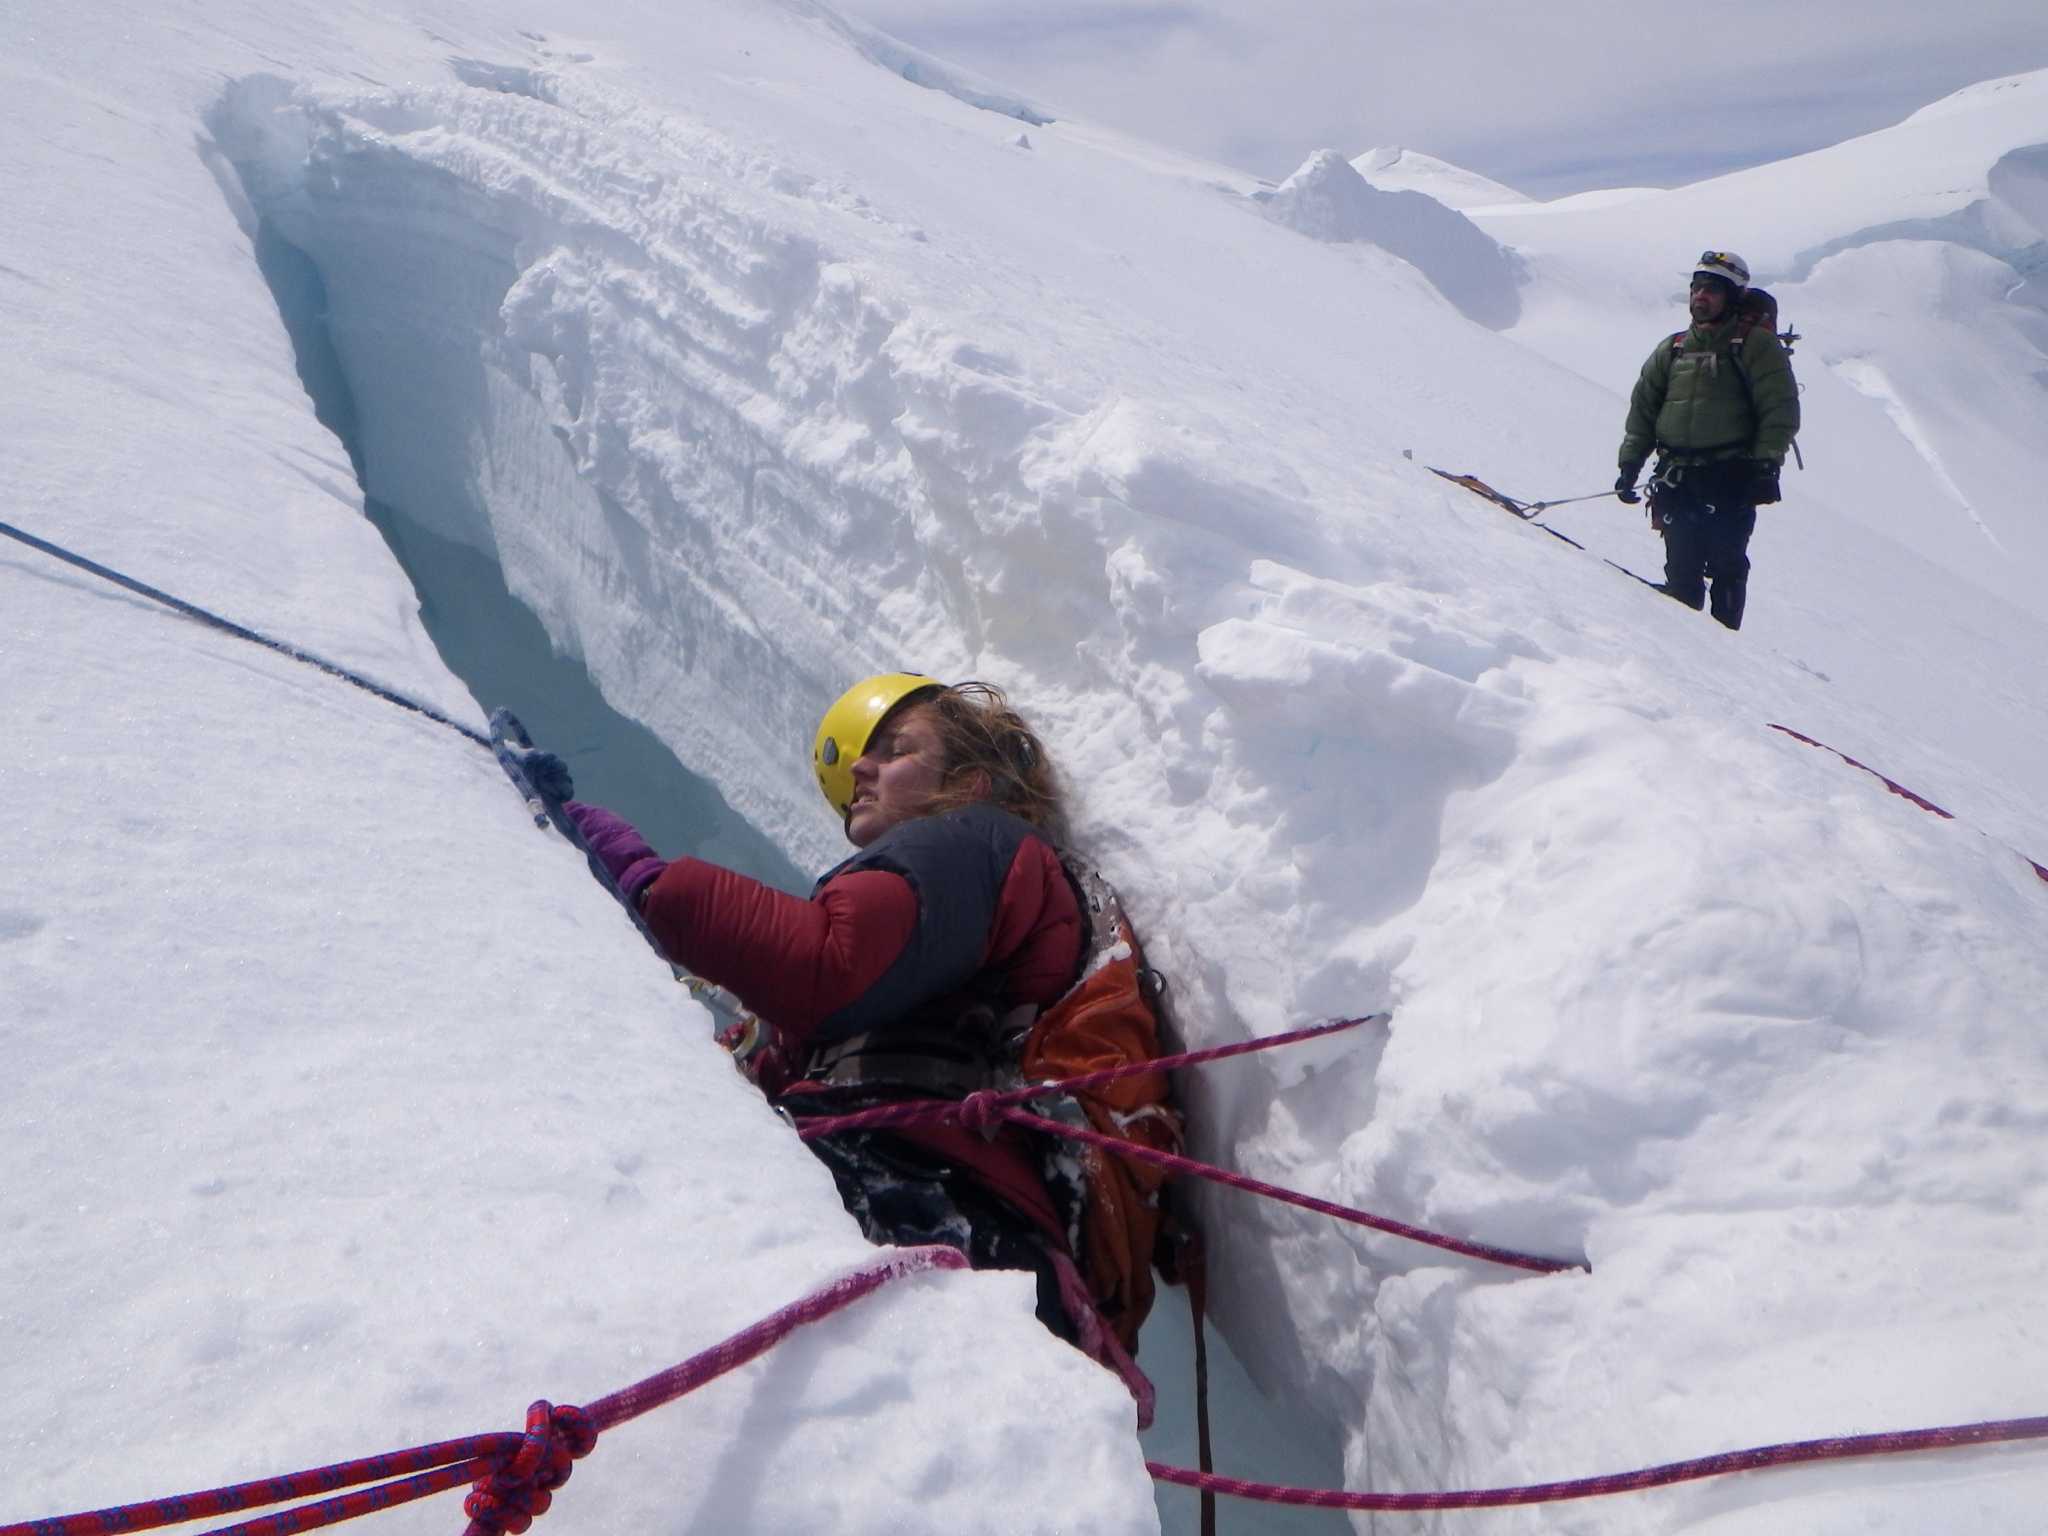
(992, 754)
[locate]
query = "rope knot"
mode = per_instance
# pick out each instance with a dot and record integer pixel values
(506, 1500)
(982, 1111)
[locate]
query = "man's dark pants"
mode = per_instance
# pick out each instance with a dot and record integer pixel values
(1708, 518)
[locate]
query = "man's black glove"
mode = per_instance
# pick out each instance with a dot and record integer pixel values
(1625, 485)
(1763, 482)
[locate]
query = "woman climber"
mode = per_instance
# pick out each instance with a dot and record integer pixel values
(916, 970)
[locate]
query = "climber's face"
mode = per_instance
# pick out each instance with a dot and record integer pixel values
(898, 776)
(1709, 299)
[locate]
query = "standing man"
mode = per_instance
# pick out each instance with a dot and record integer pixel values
(1719, 405)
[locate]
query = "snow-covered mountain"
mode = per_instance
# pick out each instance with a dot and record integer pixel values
(1327, 199)
(753, 354)
(1395, 169)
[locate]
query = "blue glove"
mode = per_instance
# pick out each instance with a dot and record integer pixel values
(548, 774)
(1625, 486)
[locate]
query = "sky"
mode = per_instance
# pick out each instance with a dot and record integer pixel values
(1550, 99)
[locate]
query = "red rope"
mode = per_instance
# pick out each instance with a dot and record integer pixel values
(667, 1386)
(1192, 1058)
(937, 1110)
(982, 1111)
(1144, 1154)
(1896, 788)
(1789, 1453)
(514, 1475)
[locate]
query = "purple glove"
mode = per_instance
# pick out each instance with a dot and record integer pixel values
(619, 847)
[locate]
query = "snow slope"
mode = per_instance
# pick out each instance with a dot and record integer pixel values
(757, 366)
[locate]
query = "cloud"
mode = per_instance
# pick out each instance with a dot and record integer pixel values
(1051, 27)
(1551, 99)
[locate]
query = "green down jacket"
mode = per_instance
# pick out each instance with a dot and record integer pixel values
(1691, 404)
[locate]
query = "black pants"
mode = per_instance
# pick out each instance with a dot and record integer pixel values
(1708, 519)
(904, 1195)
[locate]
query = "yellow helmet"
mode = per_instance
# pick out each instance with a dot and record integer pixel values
(843, 733)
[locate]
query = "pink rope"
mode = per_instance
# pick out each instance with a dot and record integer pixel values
(940, 1110)
(1192, 1058)
(984, 1111)
(502, 1502)
(452, 1463)
(1898, 789)
(514, 1475)
(749, 1343)
(1187, 1165)
(1098, 1340)
(1788, 1453)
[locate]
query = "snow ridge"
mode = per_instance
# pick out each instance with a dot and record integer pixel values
(1394, 169)
(921, 68)
(1327, 199)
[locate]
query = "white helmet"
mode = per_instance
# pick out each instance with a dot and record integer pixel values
(1726, 265)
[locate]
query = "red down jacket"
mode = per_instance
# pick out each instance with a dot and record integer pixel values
(935, 916)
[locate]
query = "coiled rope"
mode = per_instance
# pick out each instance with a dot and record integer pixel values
(513, 1476)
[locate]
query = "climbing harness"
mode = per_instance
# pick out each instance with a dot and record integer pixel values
(989, 1108)
(1668, 476)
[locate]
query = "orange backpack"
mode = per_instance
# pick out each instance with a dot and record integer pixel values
(1109, 1018)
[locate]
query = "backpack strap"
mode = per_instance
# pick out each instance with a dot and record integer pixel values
(1742, 330)
(1182, 1259)
(1195, 1270)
